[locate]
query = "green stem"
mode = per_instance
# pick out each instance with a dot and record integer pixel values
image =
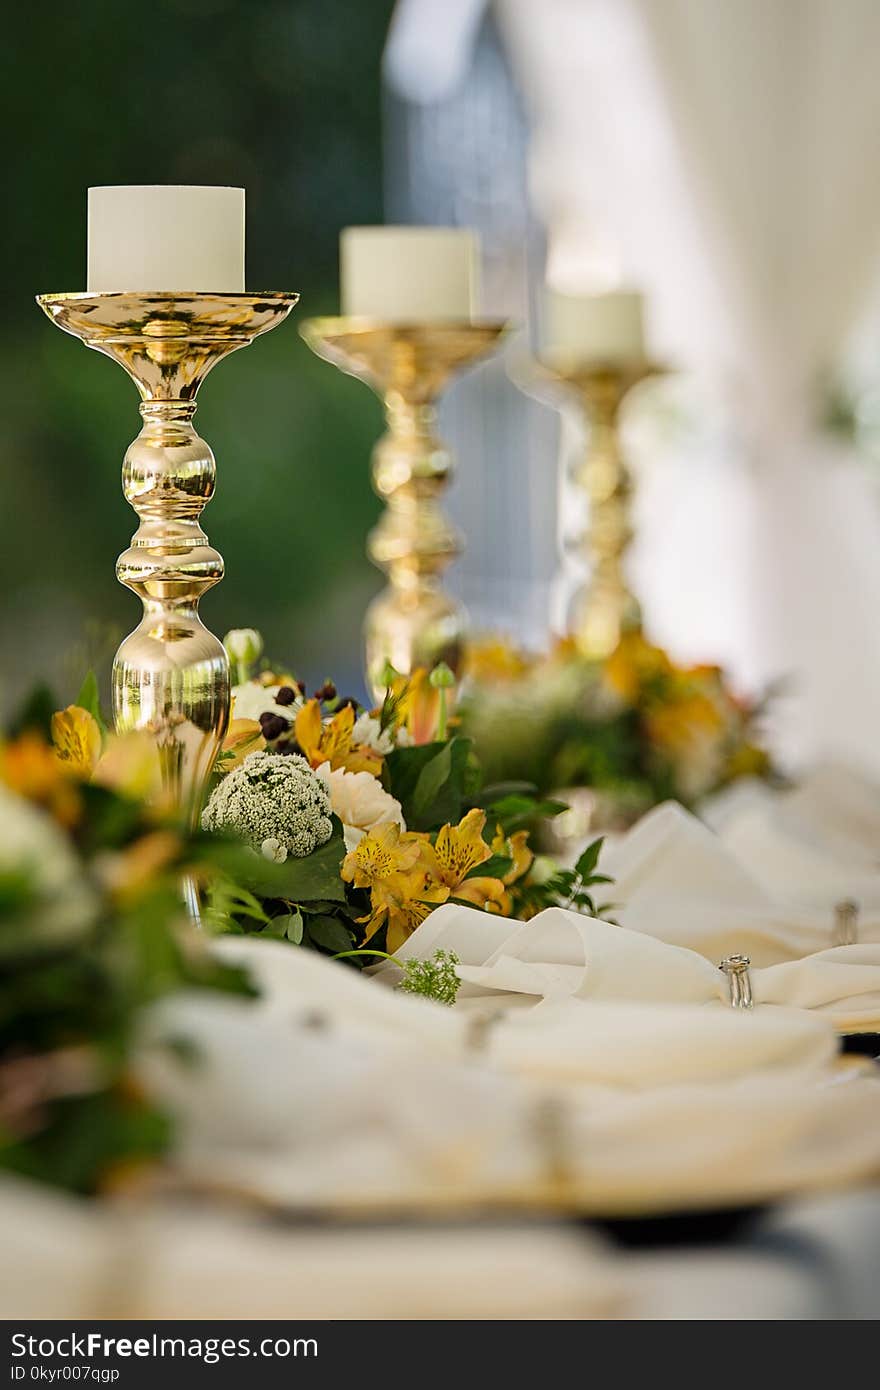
(341, 955)
(442, 717)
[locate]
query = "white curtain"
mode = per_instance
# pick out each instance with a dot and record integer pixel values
(721, 155)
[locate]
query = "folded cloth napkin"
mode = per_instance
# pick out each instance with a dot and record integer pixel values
(807, 872)
(561, 953)
(841, 809)
(676, 879)
(275, 1115)
(218, 1267)
(616, 1043)
(71, 1259)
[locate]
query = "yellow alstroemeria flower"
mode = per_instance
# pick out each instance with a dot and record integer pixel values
(131, 766)
(515, 847)
(495, 660)
(397, 868)
(460, 848)
(30, 766)
(332, 743)
(381, 854)
(403, 903)
(633, 663)
(76, 738)
(681, 721)
(418, 708)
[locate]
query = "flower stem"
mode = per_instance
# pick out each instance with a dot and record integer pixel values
(442, 717)
(341, 955)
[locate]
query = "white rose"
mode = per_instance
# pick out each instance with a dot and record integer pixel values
(250, 700)
(360, 801)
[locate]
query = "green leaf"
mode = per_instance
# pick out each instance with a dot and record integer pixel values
(330, 934)
(298, 880)
(287, 926)
(432, 778)
(89, 699)
(438, 799)
(496, 866)
(517, 811)
(590, 858)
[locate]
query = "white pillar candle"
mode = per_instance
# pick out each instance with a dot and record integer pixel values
(166, 237)
(408, 274)
(577, 329)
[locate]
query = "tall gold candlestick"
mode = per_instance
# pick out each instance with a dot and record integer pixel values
(605, 606)
(413, 622)
(170, 675)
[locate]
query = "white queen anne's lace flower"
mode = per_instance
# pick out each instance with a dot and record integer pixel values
(360, 801)
(275, 798)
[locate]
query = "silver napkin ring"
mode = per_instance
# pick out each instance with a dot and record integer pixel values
(736, 968)
(846, 923)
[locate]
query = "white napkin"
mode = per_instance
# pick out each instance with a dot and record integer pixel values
(626, 1045)
(805, 870)
(560, 953)
(57, 1254)
(72, 1259)
(223, 1268)
(675, 879)
(304, 1127)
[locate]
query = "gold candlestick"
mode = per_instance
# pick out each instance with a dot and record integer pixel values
(604, 607)
(413, 622)
(170, 675)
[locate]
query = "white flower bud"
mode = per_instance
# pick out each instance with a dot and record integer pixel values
(244, 646)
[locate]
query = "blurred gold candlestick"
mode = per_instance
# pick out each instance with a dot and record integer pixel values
(413, 622)
(605, 606)
(170, 675)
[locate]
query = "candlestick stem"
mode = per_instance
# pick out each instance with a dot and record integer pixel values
(413, 622)
(170, 675)
(604, 607)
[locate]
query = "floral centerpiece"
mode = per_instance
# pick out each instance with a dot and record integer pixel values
(373, 817)
(328, 826)
(635, 728)
(92, 933)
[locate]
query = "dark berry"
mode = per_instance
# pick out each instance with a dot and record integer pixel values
(272, 725)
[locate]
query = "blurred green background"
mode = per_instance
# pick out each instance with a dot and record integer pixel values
(281, 97)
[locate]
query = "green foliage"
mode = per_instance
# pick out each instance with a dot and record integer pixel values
(568, 888)
(430, 781)
(88, 698)
(86, 945)
(433, 979)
